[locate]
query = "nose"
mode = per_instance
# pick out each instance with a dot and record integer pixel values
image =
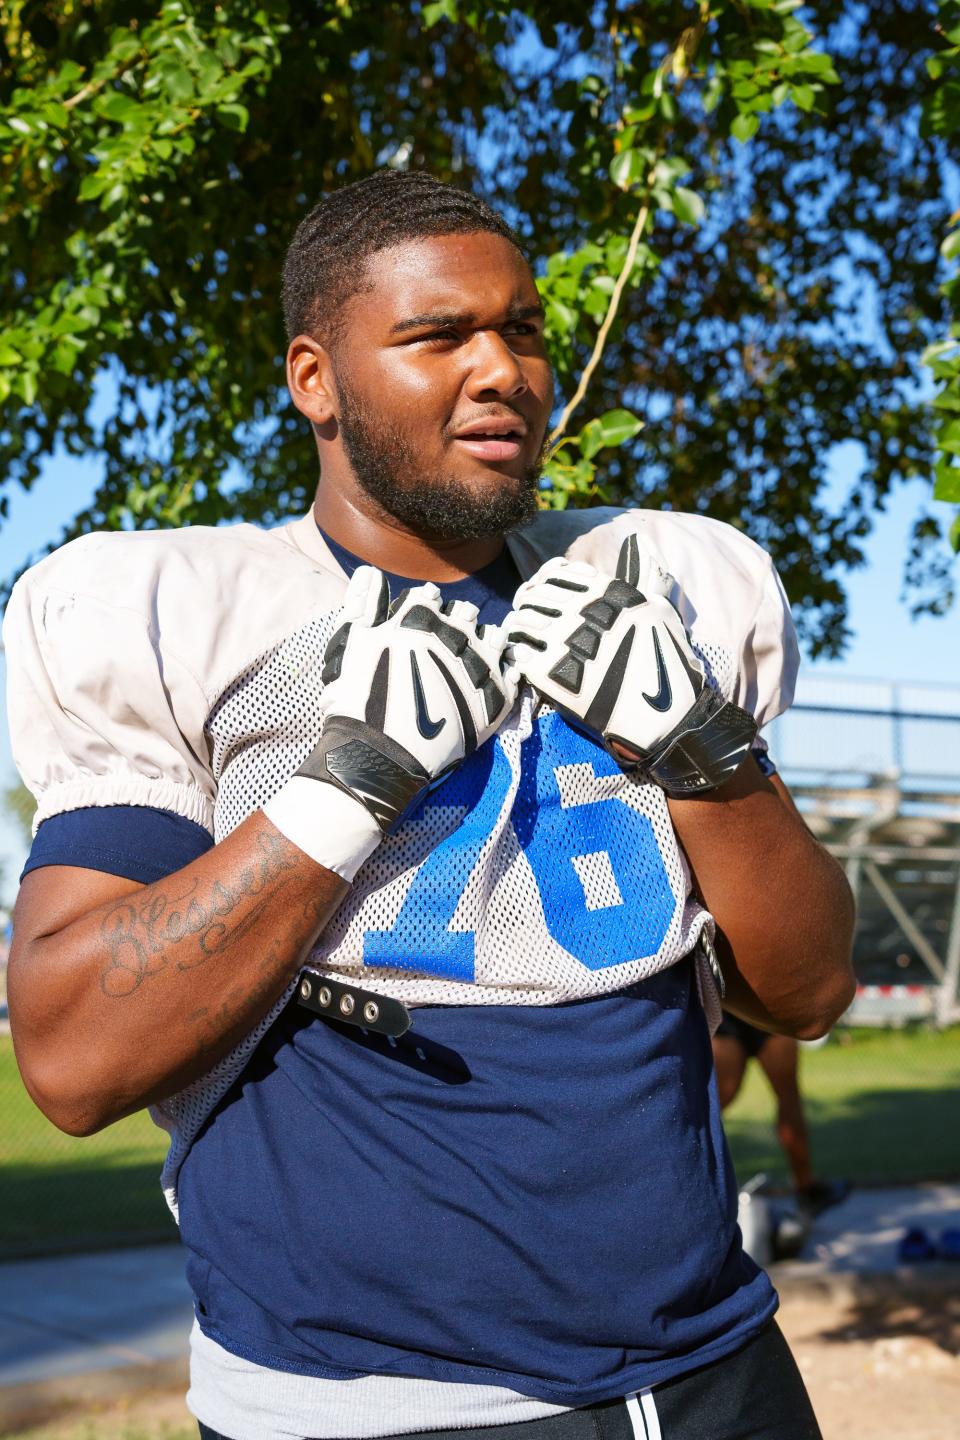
(495, 371)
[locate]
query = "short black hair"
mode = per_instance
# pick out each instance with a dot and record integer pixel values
(325, 264)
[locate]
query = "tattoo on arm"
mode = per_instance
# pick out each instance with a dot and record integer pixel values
(138, 931)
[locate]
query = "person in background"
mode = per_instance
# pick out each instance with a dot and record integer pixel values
(734, 1044)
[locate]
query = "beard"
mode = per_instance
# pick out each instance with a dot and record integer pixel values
(438, 507)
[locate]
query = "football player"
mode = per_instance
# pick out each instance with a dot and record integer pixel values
(397, 858)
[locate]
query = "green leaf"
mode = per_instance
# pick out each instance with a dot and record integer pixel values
(595, 303)
(114, 196)
(123, 45)
(611, 429)
(948, 437)
(65, 356)
(954, 536)
(950, 245)
(936, 350)
(796, 38)
(27, 385)
(626, 169)
(9, 356)
(591, 438)
(56, 114)
(117, 106)
(803, 96)
(93, 185)
(822, 67)
(563, 318)
(619, 425)
(441, 10)
(235, 116)
(947, 486)
(673, 167)
(713, 94)
(688, 206)
(176, 80)
(744, 128)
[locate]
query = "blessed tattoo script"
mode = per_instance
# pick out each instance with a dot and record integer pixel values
(138, 932)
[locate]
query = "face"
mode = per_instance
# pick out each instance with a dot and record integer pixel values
(443, 387)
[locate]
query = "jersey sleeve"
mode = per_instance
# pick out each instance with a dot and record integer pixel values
(101, 712)
(134, 841)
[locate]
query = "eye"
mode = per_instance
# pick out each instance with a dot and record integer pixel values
(439, 337)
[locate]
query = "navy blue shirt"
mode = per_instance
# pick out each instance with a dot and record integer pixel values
(536, 1197)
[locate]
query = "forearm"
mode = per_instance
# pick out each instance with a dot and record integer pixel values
(783, 908)
(124, 1002)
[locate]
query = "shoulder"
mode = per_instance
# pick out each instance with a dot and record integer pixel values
(105, 564)
(691, 547)
(214, 597)
(725, 587)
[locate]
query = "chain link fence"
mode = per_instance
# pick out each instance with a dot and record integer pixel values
(875, 770)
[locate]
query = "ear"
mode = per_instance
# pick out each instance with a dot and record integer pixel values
(310, 380)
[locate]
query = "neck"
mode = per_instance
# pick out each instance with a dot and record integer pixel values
(361, 527)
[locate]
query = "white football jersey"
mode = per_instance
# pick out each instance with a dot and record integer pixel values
(181, 670)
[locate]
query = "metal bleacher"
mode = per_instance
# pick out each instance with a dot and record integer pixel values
(875, 769)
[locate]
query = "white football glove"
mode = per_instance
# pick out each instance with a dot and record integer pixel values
(410, 690)
(612, 654)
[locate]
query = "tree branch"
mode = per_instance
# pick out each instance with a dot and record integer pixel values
(608, 319)
(686, 47)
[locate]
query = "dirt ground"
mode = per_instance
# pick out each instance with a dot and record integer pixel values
(880, 1363)
(883, 1362)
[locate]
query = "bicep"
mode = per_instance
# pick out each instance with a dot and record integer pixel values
(55, 896)
(83, 859)
(784, 794)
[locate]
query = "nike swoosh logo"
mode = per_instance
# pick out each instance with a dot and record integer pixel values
(694, 676)
(664, 696)
(428, 728)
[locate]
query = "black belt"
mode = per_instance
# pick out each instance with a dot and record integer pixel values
(351, 1005)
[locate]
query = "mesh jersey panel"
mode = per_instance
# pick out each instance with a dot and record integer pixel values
(537, 874)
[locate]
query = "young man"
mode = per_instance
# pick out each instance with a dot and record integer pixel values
(494, 1192)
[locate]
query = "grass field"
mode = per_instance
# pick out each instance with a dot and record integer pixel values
(882, 1108)
(63, 1193)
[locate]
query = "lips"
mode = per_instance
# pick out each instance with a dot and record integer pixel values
(493, 439)
(490, 447)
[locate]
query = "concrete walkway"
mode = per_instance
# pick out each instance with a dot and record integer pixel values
(860, 1236)
(83, 1327)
